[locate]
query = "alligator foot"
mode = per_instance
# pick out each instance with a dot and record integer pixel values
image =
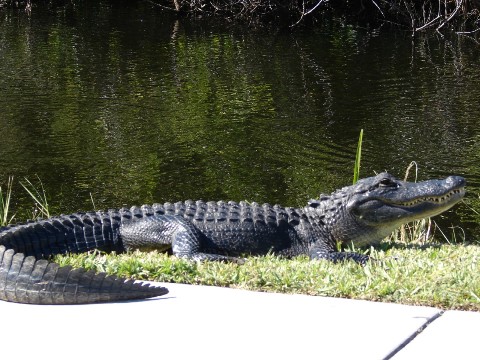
(211, 257)
(336, 257)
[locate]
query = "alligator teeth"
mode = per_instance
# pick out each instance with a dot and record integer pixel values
(435, 199)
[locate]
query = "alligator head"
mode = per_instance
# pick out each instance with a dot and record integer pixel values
(370, 210)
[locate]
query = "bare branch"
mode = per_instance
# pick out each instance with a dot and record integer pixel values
(430, 23)
(458, 4)
(378, 7)
(308, 12)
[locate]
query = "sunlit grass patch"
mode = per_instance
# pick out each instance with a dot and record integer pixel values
(445, 276)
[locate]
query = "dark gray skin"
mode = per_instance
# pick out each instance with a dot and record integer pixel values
(361, 214)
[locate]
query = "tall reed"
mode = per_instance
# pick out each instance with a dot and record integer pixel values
(358, 156)
(37, 193)
(5, 196)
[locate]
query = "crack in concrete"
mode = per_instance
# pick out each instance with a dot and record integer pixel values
(414, 335)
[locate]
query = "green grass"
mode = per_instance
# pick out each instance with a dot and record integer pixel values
(445, 276)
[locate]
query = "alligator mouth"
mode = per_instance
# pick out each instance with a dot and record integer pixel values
(447, 198)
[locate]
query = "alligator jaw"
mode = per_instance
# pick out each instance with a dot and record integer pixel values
(437, 204)
(442, 199)
(382, 203)
(405, 202)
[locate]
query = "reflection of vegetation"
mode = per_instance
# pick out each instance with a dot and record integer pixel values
(128, 112)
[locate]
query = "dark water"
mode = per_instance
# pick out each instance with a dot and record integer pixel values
(125, 105)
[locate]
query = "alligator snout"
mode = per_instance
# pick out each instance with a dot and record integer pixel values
(456, 181)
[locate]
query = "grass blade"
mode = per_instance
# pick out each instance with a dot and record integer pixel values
(356, 169)
(5, 203)
(38, 196)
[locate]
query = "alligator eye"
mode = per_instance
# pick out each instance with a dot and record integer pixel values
(386, 182)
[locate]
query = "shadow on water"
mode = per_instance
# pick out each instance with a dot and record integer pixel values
(127, 106)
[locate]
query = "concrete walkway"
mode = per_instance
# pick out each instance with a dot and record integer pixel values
(201, 322)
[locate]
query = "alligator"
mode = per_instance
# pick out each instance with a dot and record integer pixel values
(361, 214)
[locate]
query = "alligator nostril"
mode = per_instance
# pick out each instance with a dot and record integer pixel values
(456, 180)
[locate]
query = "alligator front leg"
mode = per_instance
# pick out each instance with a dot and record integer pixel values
(187, 243)
(168, 231)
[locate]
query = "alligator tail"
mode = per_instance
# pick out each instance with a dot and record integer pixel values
(27, 277)
(24, 279)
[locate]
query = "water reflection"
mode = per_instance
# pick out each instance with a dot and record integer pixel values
(127, 106)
